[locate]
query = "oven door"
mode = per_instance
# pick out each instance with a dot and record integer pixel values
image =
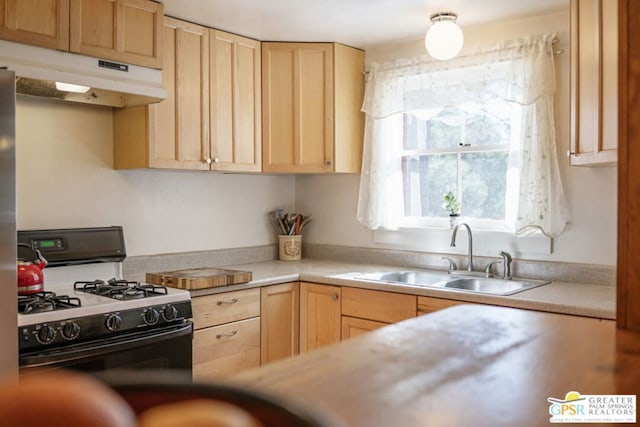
(158, 349)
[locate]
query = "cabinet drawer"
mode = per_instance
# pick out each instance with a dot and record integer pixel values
(429, 305)
(382, 306)
(223, 350)
(212, 310)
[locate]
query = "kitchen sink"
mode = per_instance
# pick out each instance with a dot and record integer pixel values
(492, 286)
(482, 285)
(411, 277)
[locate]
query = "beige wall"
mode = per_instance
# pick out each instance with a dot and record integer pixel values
(65, 179)
(591, 192)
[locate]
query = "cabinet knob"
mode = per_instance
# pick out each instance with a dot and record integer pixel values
(334, 297)
(328, 162)
(207, 160)
(216, 160)
(568, 153)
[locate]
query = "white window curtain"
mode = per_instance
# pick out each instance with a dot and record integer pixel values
(519, 71)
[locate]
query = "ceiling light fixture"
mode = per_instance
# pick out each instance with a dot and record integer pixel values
(444, 38)
(69, 87)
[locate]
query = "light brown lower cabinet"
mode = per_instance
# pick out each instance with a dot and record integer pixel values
(429, 304)
(387, 307)
(216, 309)
(352, 326)
(319, 315)
(227, 333)
(223, 350)
(244, 329)
(280, 321)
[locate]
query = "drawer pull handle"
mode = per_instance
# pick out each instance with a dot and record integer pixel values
(230, 334)
(231, 301)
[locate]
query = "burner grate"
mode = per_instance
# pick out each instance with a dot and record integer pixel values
(119, 289)
(45, 301)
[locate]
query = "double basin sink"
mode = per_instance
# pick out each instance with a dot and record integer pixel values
(483, 285)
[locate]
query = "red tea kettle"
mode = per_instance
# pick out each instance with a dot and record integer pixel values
(30, 275)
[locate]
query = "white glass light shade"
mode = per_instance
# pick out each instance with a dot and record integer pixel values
(444, 39)
(69, 87)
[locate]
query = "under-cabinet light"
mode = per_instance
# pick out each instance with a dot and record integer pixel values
(69, 87)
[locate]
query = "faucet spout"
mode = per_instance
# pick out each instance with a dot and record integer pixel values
(470, 239)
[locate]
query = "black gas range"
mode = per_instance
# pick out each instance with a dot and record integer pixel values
(90, 318)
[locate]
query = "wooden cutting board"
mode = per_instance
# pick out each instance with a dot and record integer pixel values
(199, 278)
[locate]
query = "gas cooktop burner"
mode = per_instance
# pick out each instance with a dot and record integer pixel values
(45, 301)
(119, 289)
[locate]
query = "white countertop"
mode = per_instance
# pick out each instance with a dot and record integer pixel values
(558, 297)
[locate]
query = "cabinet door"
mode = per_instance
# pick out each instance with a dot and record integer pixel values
(429, 305)
(297, 107)
(235, 102)
(280, 320)
(174, 133)
(352, 327)
(319, 315)
(348, 119)
(121, 30)
(179, 131)
(594, 82)
(388, 307)
(221, 351)
(42, 23)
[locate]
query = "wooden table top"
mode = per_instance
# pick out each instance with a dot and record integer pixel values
(468, 365)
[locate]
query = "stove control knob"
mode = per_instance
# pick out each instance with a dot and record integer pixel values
(113, 322)
(169, 313)
(151, 316)
(46, 334)
(70, 330)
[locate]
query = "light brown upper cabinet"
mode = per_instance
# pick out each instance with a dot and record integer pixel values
(594, 82)
(174, 133)
(119, 30)
(234, 103)
(311, 99)
(210, 119)
(43, 23)
(122, 30)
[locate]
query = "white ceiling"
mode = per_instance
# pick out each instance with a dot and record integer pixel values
(359, 23)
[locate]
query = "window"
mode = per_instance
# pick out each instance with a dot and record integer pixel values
(459, 149)
(480, 125)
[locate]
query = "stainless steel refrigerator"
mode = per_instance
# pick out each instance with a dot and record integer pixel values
(8, 291)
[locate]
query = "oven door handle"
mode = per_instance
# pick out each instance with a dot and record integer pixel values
(103, 347)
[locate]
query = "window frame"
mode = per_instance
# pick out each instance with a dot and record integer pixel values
(498, 225)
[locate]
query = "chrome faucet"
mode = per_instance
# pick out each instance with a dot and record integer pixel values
(452, 264)
(453, 244)
(506, 263)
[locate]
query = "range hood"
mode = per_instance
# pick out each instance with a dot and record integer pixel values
(111, 83)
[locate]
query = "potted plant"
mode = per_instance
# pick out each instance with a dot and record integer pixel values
(452, 205)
